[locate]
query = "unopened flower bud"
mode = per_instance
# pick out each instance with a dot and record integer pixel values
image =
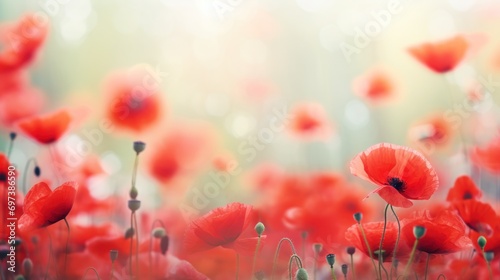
(301, 274)
(159, 232)
(19, 277)
(489, 256)
(12, 136)
(27, 266)
(134, 204)
(139, 146)
(358, 217)
(344, 269)
(129, 233)
(37, 171)
(133, 193)
(259, 228)
(418, 231)
(164, 241)
(113, 255)
(330, 258)
(481, 241)
(317, 247)
(351, 250)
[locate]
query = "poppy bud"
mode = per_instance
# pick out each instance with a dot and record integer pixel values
(17, 242)
(129, 233)
(317, 247)
(37, 171)
(301, 274)
(344, 269)
(27, 266)
(358, 216)
(395, 263)
(4, 250)
(113, 255)
(418, 231)
(134, 204)
(351, 250)
(330, 258)
(259, 228)
(12, 136)
(139, 146)
(19, 277)
(481, 241)
(164, 244)
(259, 275)
(489, 256)
(158, 232)
(133, 193)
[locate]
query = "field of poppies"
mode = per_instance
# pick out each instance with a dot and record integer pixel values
(250, 140)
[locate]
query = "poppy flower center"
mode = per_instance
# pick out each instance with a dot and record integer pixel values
(396, 183)
(467, 195)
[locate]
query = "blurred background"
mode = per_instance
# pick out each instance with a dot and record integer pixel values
(233, 65)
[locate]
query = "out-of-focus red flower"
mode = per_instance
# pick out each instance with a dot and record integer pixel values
(488, 156)
(433, 130)
(399, 172)
(21, 103)
(375, 86)
(373, 233)
(182, 151)
(21, 41)
(479, 216)
(445, 232)
(442, 56)
(182, 270)
(463, 189)
(310, 122)
(46, 129)
(493, 241)
(43, 207)
(133, 99)
(224, 226)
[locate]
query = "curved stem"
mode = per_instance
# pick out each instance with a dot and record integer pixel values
(48, 260)
(298, 261)
(397, 239)
(66, 250)
(380, 252)
(368, 248)
(25, 175)
(278, 251)
(441, 275)
(93, 269)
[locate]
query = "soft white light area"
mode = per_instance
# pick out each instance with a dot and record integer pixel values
(357, 114)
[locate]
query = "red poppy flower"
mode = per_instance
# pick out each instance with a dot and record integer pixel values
(434, 130)
(21, 41)
(226, 227)
(310, 122)
(442, 56)
(375, 86)
(43, 207)
(488, 156)
(182, 151)
(400, 172)
(373, 232)
(479, 216)
(20, 104)
(463, 189)
(133, 99)
(445, 232)
(46, 129)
